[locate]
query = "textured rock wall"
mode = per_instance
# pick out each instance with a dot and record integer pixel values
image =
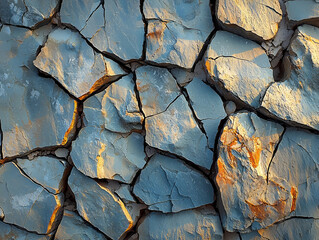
(159, 119)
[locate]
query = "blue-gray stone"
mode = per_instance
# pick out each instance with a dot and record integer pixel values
(8, 231)
(303, 11)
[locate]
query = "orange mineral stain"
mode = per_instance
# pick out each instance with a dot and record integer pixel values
(254, 156)
(223, 177)
(294, 194)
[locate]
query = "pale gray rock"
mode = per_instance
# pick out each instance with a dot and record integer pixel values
(157, 89)
(246, 147)
(116, 108)
(97, 25)
(169, 185)
(240, 66)
(295, 99)
(68, 58)
(34, 111)
(176, 30)
(257, 20)
(8, 231)
(188, 225)
(62, 152)
(208, 107)
(99, 206)
(27, 204)
(73, 227)
(49, 172)
(182, 76)
(303, 11)
(230, 107)
(176, 131)
(26, 13)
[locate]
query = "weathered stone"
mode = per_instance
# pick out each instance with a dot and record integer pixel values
(176, 131)
(240, 66)
(210, 112)
(295, 99)
(96, 23)
(176, 30)
(62, 152)
(26, 12)
(116, 108)
(99, 206)
(230, 107)
(34, 111)
(26, 203)
(67, 57)
(157, 89)
(49, 172)
(124, 193)
(303, 11)
(257, 20)
(8, 231)
(294, 228)
(188, 225)
(73, 227)
(182, 76)
(246, 148)
(169, 185)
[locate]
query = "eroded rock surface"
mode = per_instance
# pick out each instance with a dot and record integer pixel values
(8, 231)
(303, 11)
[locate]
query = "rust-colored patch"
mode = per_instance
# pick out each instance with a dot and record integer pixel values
(155, 35)
(259, 211)
(56, 212)
(254, 156)
(294, 194)
(208, 65)
(72, 127)
(223, 176)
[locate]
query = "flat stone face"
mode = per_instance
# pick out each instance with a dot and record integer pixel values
(191, 224)
(99, 206)
(296, 98)
(67, 57)
(303, 11)
(27, 204)
(169, 185)
(208, 107)
(8, 231)
(97, 25)
(240, 66)
(176, 131)
(49, 172)
(176, 30)
(73, 227)
(34, 111)
(26, 13)
(246, 148)
(257, 20)
(157, 89)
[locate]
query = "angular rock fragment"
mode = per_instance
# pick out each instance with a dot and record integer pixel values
(96, 23)
(8, 231)
(69, 59)
(176, 30)
(191, 224)
(210, 111)
(295, 99)
(175, 130)
(27, 204)
(303, 11)
(74, 227)
(157, 89)
(246, 148)
(26, 13)
(240, 66)
(34, 111)
(99, 206)
(257, 20)
(169, 185)
(49, 172)
(182, 76)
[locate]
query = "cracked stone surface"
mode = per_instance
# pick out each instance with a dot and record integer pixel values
(303, 11)
(169, 185)
(176, 30)
(295, 99)
(8, 231)
(257, 20)
(239, 66)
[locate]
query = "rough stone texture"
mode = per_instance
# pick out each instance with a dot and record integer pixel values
(189, 225)
(182, 76)
(240, 66)
(176, 30)
(8, 231)
(26, 13)
(73, 227)
(303, 11)
(27, 204)
(99, 206)
(176, 131)
(34, 111)
(169, 185)
(257, 20)
(246, 146)
(68, 58)
(295, 99)
(97, 25)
